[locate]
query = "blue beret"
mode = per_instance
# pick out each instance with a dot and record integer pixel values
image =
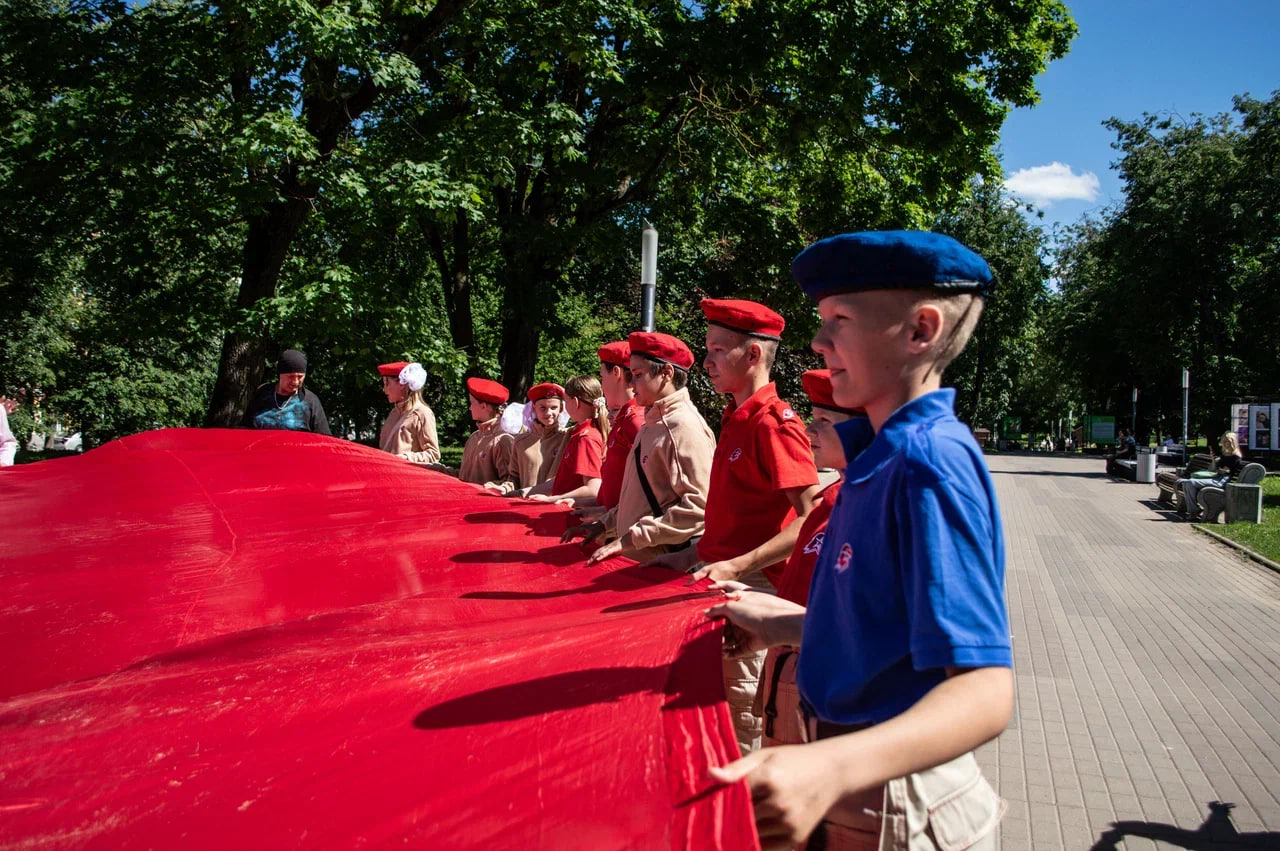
(889, 260)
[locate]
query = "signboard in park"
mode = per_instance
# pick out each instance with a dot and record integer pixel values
(1240, 423)
(1260, 430)
(1100, 430)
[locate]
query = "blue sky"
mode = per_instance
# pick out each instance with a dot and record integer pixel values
(1131, 57)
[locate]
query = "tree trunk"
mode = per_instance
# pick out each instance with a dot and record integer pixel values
(979, 377)
(327, 116)
(455, 280)
(522, 320)
(528, 291)
(270, 235)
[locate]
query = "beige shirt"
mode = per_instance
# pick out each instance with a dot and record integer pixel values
(537, 457)
(676, 450)
(553, 443)
(411, 434)
(488, 456)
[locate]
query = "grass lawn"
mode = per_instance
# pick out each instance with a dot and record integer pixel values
(1263, 539)
(451, 455)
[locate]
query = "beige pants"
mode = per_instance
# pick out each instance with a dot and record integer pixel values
(742, 680)
(950, 807)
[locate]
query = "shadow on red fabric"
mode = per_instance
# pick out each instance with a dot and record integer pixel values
(265, 639)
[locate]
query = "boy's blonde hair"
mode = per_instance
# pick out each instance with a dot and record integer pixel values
(960, 313)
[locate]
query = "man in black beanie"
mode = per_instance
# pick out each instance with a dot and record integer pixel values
(286, 403)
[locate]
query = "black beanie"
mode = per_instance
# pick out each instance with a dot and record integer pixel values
(291, 360)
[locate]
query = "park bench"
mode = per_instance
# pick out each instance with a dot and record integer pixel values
(1125, 468)
(1240, 499)
(1167, 490)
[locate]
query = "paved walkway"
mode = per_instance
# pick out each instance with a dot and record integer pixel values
(1148, 671)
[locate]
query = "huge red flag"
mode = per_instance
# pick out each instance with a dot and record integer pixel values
(265, 639)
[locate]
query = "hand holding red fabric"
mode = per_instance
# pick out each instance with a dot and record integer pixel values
(791, 790)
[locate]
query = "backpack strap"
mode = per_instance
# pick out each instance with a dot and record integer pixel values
(654, 508)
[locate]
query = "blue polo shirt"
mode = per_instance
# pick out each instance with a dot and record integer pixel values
(910, 579)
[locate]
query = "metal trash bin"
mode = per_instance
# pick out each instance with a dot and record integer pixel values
(1146, 471)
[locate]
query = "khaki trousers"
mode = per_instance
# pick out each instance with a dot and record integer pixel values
(742, 680)
(950, 807)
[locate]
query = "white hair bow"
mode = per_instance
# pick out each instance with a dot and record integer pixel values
(413, 376)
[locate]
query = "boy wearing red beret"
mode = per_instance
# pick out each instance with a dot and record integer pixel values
(763, 479)
(489, 453)
(626, 417)
(667, 474)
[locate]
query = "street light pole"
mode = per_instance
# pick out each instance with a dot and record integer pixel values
(1186, 393)
(648, 275)
(1133, 423)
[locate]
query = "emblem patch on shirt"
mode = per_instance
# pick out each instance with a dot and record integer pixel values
(844, 559)
(787, 413)
(737, 453)
(815, 544)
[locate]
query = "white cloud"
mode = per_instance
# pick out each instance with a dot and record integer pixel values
(1044, 184)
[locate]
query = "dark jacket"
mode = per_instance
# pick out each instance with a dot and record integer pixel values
(299, 412)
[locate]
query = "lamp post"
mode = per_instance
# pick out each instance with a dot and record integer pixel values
(1133, 423)
(648, 275)
(1186, 393)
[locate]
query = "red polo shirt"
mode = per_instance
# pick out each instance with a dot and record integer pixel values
(623, 429)
(581, 458)
(762, 452)
(798, 571)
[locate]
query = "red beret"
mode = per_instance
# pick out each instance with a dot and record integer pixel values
(545, 390)
(392, 369)
(617, 353)
(745, 317)
(817, 384)
(487, 391)
(661, 347)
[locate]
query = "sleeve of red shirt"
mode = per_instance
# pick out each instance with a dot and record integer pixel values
(583, 456)
(786, 453)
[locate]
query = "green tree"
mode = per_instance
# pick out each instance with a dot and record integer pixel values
(989, 375)
(354, 178)
(1180, 273)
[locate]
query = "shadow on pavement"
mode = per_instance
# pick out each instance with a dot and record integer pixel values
(1217, 832)
(1166, 512)
(1099, 474)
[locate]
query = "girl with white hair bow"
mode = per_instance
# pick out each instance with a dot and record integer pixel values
(410, 429)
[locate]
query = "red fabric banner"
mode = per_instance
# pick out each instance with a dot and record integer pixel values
(267, 639)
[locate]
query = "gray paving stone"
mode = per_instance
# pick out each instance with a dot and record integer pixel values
(1147, 664)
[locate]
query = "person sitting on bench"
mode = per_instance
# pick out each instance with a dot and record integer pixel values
(1126, 450)
(1227, 468)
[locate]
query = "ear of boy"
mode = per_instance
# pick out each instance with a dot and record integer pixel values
(927, 325)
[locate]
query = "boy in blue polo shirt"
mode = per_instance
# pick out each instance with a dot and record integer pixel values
(905, 660)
